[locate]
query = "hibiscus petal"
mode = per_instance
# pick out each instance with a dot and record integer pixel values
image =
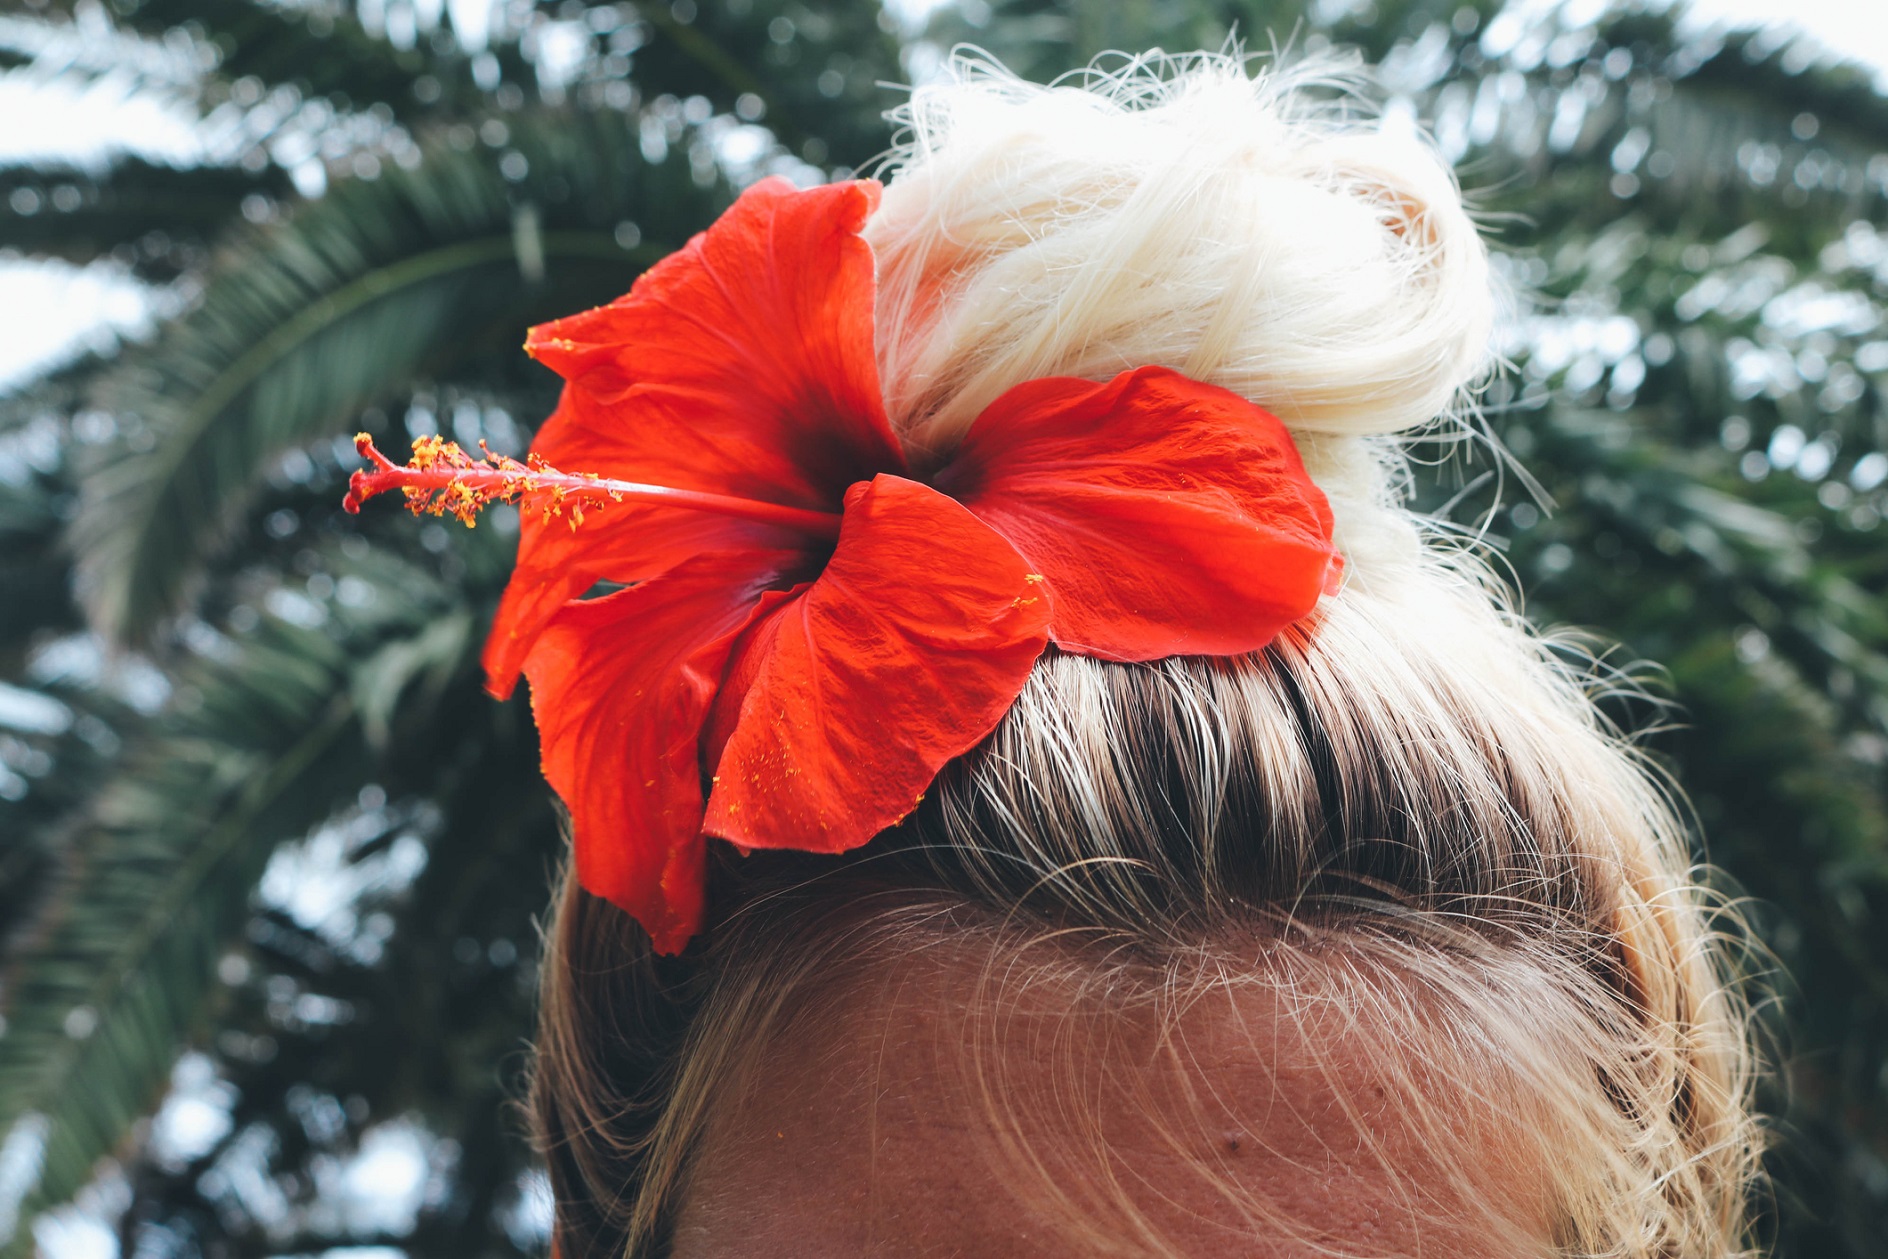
(904, 653)
(621, 687)
(1169, 517)
(619, 542)
(743, 364)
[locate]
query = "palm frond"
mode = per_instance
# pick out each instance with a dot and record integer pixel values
(815, 73)
(430, 271)
(322, 51)
(140, 210)
(119, 981)
(122, 958)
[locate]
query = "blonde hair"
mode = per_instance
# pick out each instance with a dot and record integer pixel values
(1407, 808)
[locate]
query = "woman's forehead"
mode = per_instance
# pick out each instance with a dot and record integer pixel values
(944, 1108)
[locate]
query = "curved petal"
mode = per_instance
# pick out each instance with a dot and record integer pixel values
(619, 542)
(620, 687)
(742, 364)
(1169, 517)
(903, 654)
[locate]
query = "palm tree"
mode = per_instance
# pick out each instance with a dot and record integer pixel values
(222, 688)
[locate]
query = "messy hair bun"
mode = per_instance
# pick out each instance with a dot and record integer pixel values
(1249, 231)
(1258, 232)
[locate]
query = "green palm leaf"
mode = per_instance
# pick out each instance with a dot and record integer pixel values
(321, 50)
(816, 72)
(122, 961)
(80, 215)
(429, 272)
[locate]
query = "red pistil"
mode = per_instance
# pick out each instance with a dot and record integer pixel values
(441, 479)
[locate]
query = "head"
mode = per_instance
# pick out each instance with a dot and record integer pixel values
(1377, 942)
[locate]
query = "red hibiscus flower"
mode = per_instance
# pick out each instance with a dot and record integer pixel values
(804, 633)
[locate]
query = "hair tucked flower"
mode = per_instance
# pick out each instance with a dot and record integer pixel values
(804, 632)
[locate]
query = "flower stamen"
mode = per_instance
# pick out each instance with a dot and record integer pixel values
(441, 479)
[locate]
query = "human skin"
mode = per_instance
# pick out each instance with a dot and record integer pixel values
(937, 1106)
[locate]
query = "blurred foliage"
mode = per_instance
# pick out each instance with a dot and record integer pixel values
(269, 859)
